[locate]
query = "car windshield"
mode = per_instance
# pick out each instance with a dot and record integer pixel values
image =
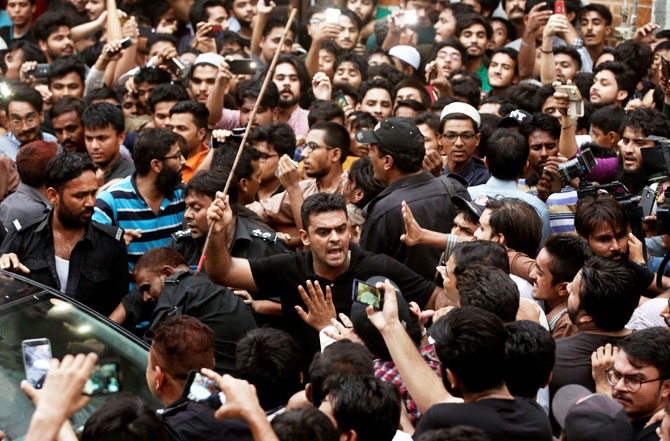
(37, 313)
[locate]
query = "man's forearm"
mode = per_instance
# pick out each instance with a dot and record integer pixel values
(423, 385)
(218, 262)
(527, 57)
(44, 426)
(547, 65)
(215, 103)
(260, 427)
(312, 60)
(567, 143)
(296, 198)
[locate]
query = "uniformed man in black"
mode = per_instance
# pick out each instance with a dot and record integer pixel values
(332, 260)
(396, 152)
(163, 278)
(64, 249)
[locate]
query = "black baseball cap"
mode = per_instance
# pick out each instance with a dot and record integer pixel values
(395, 134)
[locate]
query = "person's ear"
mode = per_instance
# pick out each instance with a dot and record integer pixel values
(613, 137)
(202, 133)
(358, 106)
(53, 196)
(563, 289)
(388, 162)
(159, 378)
(43, 45)
(478, 138)
(515, 80)
(335, 155)
(621, 95)
(358, 196)
(665, 389)
(304, 237)
(156, 165)
(167, 271)
(500, 238)
(121, 137)
(244, 185)
(309, 393)
(349, 435)
(608, 31)
(275, 114)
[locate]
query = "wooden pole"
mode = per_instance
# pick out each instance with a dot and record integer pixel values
(268, 78)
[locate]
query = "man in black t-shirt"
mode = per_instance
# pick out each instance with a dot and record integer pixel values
(601, 300)
(470, 343)
(331, 260)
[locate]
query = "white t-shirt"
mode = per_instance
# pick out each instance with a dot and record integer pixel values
(63, 270)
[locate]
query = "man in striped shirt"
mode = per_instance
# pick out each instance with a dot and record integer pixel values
(149, 204)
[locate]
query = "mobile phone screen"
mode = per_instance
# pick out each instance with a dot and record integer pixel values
(201, 388)
(36, 360)
(104, 380)
(366, 293)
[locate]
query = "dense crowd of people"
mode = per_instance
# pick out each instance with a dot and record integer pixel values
(448, 221)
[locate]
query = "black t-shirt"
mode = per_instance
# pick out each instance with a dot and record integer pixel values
(281, 274)
(185, 420)
(642, 433)
(514, 420)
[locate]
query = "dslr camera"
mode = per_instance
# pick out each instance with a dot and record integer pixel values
(578, 167)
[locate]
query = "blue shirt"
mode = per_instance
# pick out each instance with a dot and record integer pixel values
(9, 145)
(475, 172)
(498, 189)
(123, 205)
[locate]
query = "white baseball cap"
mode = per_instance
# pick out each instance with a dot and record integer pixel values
(408, 54)
(463, 108)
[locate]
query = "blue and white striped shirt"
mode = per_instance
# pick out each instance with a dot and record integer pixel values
(123, 205)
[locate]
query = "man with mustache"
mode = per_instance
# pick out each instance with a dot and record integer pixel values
(595, 25)
(151, 199)
(63, 248)
(203, 76)
(639, 379)
(104, 133)
(474, 32)
(241, 12)
(24, 112)
(52, 31)
(66, 119)
(515, 13)
(292, 81)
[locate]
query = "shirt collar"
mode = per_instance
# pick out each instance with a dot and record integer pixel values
(499, 183)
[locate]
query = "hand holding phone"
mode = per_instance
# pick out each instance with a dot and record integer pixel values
(36, 360)
(559, 7)
(665, 67)
(243, 66)
(201, 389)
(365, 293)
(105, 379)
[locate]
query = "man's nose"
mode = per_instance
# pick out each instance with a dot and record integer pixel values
(614, 245)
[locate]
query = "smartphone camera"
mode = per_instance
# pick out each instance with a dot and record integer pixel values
(243, 66)
(365, 293)
(105, 379)
(407, 18)
(42, 71)
(36, 360)
(201, 389)
(333, 15)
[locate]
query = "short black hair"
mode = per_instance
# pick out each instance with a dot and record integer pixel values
(208, 182)
(353, 58)
(450, 42)
(321, 203)
(518, 222)
(540, 96)
(543, 123)
(152, 75)
(625, 77)
(67, 104)
(489, 288)
(362, 119)
(510, 52)
(252, 89)
(362, 173)
(100, 93)
(66, 64)
(124, 416)
(304, 424)
(166, 92)
(157, 38)
(375, 83)
(651, 122)
(506, 154)
(454, 433)
(275, 21)
(30, 51)
(415, 84)
(428, 118)
(322, 110)
(602, 10)
(352, 16)
(224, 159)
(341, 356)
(467, 90)
(470, 342)
(530, 353)
(608, 118)
(270, 360)
(608, 292)
(480, 252)
(335, 136)
(522, 95)
(636, 55)
(198, 112)
(48, 23)
(65, 167)
(25, 94)
(509, 27)
(101, 115)
(570, 52)
(568, 253)
(278, 135)
(366, 405)
(649, 347)
(467, 20)
(198, 11)
(388, 72)
(153, 144)
(549, 5)
(592, 211)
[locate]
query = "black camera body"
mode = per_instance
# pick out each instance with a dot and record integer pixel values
(578, 167)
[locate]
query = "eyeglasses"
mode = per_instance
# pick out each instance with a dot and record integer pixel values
(310, 147)
(632, 384)
(265, 156)
(177, 155)
(465, 136)
(30, 119)
(316, 21)
(452, 57)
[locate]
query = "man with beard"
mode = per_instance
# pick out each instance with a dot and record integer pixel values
(326, 148)
(640, 378)
(104, 133)
(241, 13)
(64, 249)
(202, 76)
(604, 224)
(292, 80)
(150, 200)
(66, 120)
(24, 112)
(601, 300)
(613, 83)
(474, 32)
(52, 31)
(189, 119)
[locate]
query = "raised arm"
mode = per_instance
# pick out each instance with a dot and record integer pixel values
(221, 267)
(536, 18)
(217, 93)
(327, 31)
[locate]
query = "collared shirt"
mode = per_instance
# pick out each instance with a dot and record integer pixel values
(186, 420)
(298, 121)
(122, 168)
(431, 205)
(215, 306)
(22, 206)
(9, 145)
(97, 275)
(283, 273)
(123, 205)
(562, 207)
(193, 163)
(560, 324)
(387, 371)
(498, 189)
(475, 172)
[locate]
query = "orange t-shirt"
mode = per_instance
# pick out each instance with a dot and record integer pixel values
(193, 163)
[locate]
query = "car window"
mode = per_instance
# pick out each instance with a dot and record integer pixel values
(71, 330)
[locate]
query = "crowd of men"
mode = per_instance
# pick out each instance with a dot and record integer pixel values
(498, 172)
